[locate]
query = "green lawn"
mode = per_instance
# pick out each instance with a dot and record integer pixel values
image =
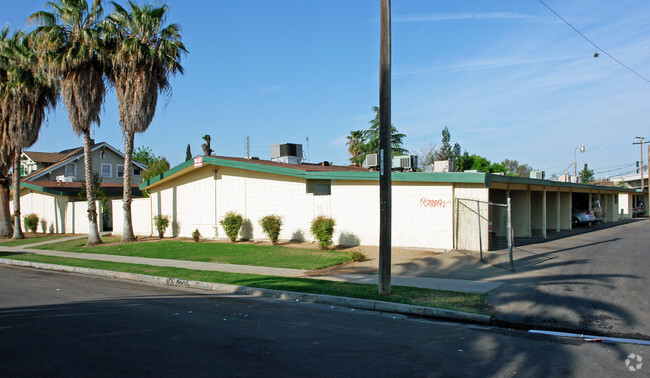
(476, 303)
(30, 240)
(227, 253)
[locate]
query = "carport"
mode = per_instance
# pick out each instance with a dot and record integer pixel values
(541, 208)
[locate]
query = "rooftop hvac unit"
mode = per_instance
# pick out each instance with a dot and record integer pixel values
(63, 178)
(537, 175)
(372, 161)
(444, 166)
(290, 153)
(405, 163)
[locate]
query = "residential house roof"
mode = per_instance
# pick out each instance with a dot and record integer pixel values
(67, 156)
(73, 188)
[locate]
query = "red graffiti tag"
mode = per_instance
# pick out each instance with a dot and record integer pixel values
(434, 202)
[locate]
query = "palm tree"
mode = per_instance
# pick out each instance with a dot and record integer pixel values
(72, 44)
(6, 152)
(355, 144)
(142, 55)
(24, 97)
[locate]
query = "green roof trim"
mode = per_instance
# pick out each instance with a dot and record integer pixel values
(27, 185)
(479, 178)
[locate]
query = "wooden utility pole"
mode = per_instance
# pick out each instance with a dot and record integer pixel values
(385, 161)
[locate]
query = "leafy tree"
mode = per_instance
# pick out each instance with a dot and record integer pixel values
(426, 156)
(356, 142)
(480, 163)
(142, 55)
(156, 167)
(26, 92)
(586, 175)
(144, 155)
(100, 195)
(514, 169)
(72, 44)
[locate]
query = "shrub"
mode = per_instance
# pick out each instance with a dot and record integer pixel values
(51, 228)
(196, 235)
(43, 225)
(358, 256)
(322, 228)
(161, 222)
(271, 225)
(31, 222)
(232, 224)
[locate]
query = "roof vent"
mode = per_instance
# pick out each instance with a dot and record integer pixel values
(290, 153)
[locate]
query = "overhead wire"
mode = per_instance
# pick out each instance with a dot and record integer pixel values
(592, 43)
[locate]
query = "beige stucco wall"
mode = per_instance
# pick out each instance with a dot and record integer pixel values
(48, 207)
(422, 212)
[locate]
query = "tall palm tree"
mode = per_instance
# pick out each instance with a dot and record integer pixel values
(72, 44)
(355, 143)
(6, 152)
(142, 54)
(24, 97)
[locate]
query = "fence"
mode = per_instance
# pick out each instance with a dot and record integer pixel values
(484, 230)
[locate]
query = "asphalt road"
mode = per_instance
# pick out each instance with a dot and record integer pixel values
(593, 282)
(55, 324)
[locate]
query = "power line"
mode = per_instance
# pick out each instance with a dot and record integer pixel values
(593, 44)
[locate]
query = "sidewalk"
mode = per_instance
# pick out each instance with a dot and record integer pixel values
(466, 286)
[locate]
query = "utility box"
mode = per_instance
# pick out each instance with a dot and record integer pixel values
(444, 166)
(289, 153)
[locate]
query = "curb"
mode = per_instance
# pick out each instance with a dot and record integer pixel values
(363, 304)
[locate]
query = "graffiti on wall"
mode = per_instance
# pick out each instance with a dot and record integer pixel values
(434, 203)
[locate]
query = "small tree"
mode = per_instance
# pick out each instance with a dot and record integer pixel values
(232, 223)
(31, 222)
(322, 228)
(43, 225)
(586, 175)
(161, 222)
(271, 225)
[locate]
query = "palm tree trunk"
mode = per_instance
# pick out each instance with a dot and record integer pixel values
(6, 230)
(15, 178)
(93, 231)
(127, 224)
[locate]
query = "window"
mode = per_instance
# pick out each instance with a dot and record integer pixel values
(71, 169)
(137, 171)
(102, 154)
(119, 169)
(319, 187)
(107, 171)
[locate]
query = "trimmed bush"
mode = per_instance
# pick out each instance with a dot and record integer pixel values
(51, 228)
(271, 225)
(31, 222)
(161, 222)
(43, 226)
(322, 228)
(232, 224)
(196, 235)
(358, 256)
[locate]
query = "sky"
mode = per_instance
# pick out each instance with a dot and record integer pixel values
(508, 78)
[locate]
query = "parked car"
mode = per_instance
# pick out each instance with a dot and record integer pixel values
(639, 210)
(582, 216)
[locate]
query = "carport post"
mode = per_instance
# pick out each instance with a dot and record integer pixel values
(509, 232)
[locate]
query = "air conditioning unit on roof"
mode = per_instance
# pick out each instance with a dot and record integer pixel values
(372, 161)
(63, 178)
(405, 163)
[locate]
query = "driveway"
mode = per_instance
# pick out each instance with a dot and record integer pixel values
(593, 282)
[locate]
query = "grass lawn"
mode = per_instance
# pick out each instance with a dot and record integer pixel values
(29, 240)
(476, 303)
(226, 253)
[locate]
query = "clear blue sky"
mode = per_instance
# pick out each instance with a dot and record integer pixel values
(508, 78)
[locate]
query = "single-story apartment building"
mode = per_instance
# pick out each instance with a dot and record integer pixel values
(438, 210)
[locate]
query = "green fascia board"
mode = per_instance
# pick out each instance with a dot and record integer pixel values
(27, 185)
(530, 181)
(455, 177)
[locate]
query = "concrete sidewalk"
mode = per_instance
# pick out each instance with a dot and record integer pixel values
(465, 286)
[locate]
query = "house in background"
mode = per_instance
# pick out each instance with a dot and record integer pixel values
(52, 181)
(68, 165)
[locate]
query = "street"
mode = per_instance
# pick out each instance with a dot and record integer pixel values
(72, 325)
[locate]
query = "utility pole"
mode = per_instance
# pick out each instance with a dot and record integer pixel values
(640, 143)
(385, 162)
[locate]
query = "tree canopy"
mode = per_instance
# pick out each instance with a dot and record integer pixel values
(363, 142)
